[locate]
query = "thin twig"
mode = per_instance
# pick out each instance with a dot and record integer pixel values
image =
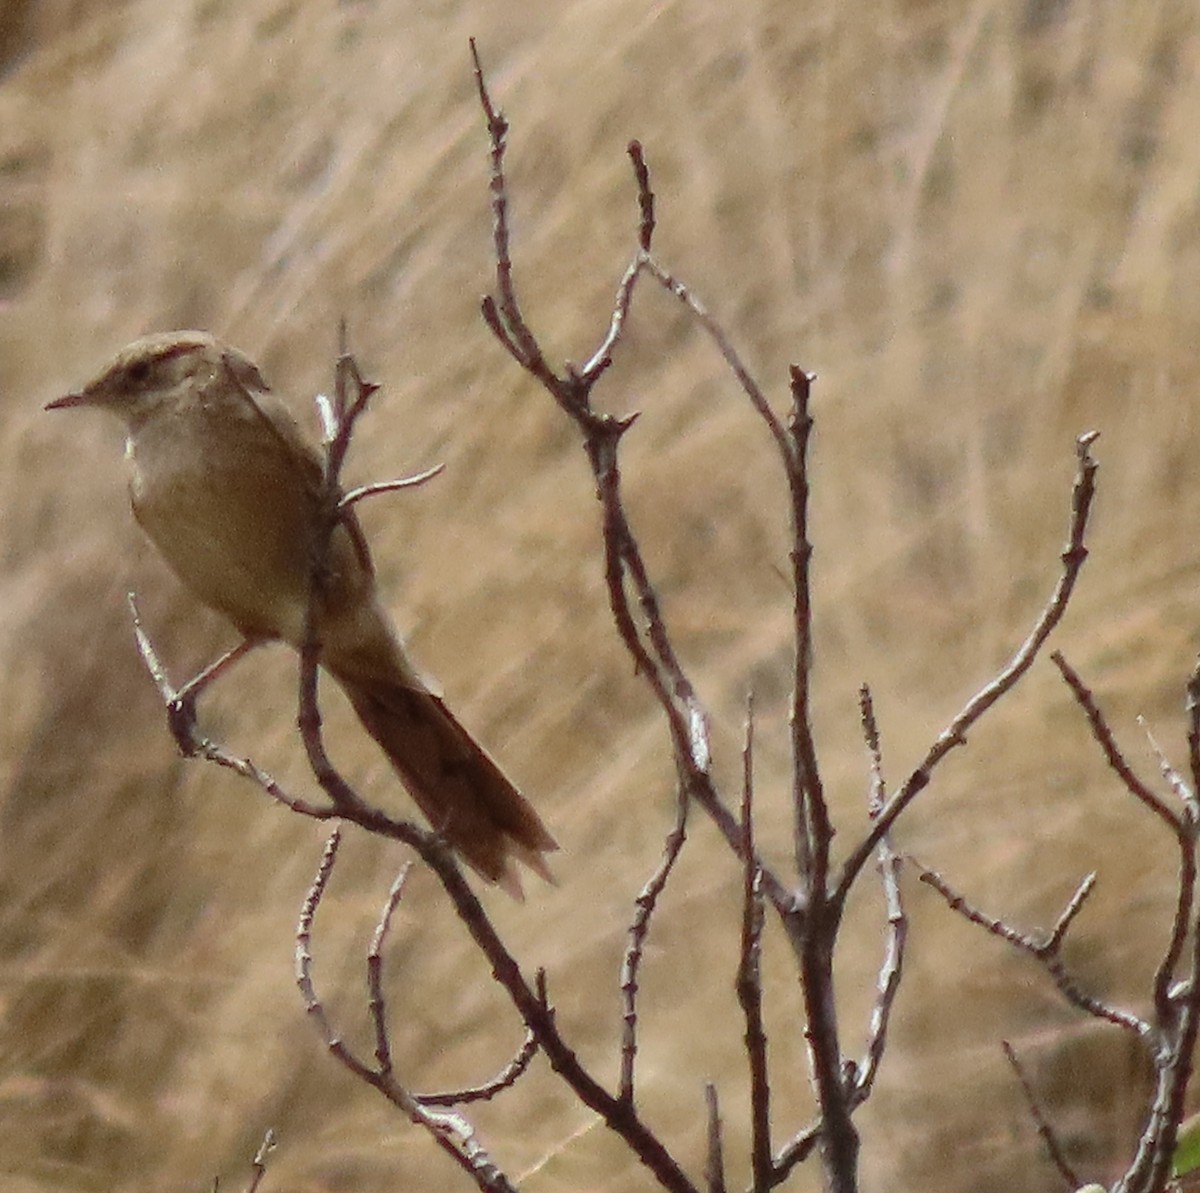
(603, 356)
(192, 743)
(376, 1004)
(308, 911)
(1045, 1131)
(796, 1151)
(891, 968)
(452, 1133)
(351, 396)
(506, 318)
(641, 173)
(1179, 823)
(1045, 952)
(259, 1167)
(1176, 781)
(354, 496)
(833, 1076)
(812, 828)
(877, 791)
(639, 929)
(1053, 942)
(1193, 735)
(749, 976)
(181, 703)
(505, 1079)
(724, 345)
(1108, 744)
(714, 1155)
(955, 734)
(1177, 1002)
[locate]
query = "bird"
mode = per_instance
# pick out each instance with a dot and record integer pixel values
(233, 494)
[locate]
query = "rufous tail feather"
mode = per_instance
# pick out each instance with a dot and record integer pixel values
(464, 795)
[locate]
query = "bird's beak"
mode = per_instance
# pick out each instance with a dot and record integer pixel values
(69, 400)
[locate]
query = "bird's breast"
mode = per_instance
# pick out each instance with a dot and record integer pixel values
(232, 515)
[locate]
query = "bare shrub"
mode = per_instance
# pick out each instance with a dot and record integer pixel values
(809, 900)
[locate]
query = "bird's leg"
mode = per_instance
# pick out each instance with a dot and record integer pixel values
(181, 707)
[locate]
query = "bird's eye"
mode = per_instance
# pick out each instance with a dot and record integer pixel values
(138, 372)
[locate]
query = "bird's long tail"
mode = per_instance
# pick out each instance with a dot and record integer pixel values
(460, 789)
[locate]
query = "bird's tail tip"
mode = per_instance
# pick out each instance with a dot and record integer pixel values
(509, 877)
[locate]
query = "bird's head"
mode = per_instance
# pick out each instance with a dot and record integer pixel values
(158, 370)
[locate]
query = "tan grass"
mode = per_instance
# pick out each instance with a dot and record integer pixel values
(975, 222)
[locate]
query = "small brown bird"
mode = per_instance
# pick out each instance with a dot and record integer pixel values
(228, 488)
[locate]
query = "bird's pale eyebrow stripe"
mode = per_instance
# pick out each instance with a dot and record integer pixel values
(175, 350)
(168, 353)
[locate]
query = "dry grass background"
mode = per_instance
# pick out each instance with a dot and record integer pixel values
(977, 222)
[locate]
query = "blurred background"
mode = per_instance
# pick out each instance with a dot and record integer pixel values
(976, 222)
